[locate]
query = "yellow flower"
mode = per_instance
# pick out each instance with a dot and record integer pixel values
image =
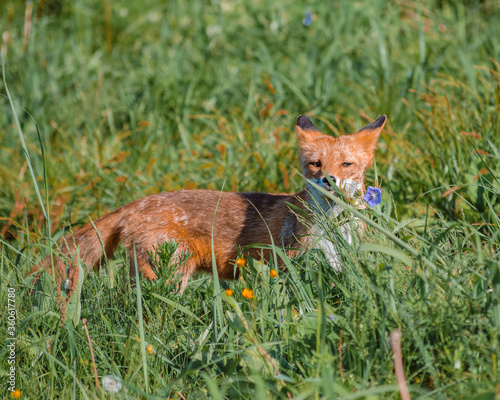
(247, 293)
(229, 292)
(273, 273)
(149, 349)
(16, 394)
(241, 262)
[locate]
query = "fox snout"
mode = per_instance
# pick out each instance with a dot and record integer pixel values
(327, 184)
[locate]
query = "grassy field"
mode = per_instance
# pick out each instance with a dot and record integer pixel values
(105, 101)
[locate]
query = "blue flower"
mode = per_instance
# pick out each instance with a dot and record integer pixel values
(282, 320)
(373, 196)
(307, 21)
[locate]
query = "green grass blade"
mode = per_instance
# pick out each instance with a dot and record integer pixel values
(386, 250)
(23, 144)
(141, 322)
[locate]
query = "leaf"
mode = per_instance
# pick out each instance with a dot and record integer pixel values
(386, 250)
(74, 307)
(298, 209)
(403, 224)
(234, 322)
(176, 305)
(489, 395)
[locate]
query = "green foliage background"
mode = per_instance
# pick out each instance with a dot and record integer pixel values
(136, 97)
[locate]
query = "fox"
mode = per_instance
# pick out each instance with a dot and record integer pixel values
(228, 222)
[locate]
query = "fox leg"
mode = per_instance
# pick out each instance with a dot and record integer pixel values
(142, 265)
(187, 270)
(184, 271)
(144, 268)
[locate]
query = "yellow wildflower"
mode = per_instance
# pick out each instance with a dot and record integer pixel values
(247, 293)
(241, 262)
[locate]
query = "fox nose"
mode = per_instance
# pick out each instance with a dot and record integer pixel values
(325, 181)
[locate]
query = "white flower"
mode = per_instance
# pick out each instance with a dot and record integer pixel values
(458, 364)
(111, 383)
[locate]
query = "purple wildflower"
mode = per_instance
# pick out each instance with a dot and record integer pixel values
(307, 21)
(282, 319)
(373, 196)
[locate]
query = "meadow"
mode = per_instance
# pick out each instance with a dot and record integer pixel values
(104, 102)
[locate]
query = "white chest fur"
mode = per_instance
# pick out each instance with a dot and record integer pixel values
(335, 223)
(326, 236)
(321, 240)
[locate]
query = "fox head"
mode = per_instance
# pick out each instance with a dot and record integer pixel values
(345, 158)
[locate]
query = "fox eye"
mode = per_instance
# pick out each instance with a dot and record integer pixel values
(347, 164)
(317, 164)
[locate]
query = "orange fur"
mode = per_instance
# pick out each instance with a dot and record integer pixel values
(188, 216)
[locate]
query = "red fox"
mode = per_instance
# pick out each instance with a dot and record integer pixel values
(190, 218)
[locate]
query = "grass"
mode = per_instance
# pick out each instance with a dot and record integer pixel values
(133, 98)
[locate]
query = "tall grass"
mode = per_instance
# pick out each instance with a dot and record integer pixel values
(132, 98)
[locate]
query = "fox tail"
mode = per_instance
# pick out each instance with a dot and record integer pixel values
(87, 245)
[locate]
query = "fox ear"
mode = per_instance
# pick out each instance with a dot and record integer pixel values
(306, 131)
(369, 135)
